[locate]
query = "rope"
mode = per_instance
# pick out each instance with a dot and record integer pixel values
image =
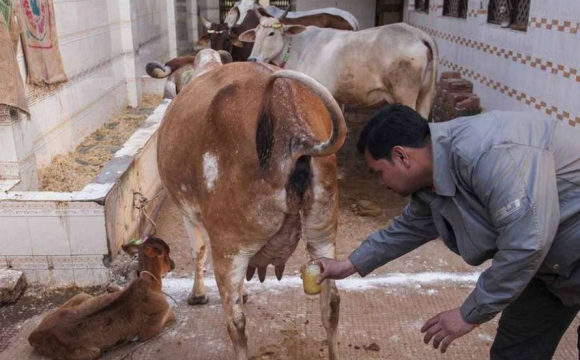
(130, 353)
(140, 204)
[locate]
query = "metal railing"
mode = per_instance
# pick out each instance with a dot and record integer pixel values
(509, 13)
(422, 5)
(455, 8)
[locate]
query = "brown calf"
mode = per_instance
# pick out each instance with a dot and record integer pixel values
(85, 326)
(247, 152)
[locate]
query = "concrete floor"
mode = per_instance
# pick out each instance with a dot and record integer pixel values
(387, 308)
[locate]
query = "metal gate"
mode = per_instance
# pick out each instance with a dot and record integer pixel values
(422, 5)
(516, 12)
(455, 8)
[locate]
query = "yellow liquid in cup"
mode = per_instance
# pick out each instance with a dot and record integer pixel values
(309, 275)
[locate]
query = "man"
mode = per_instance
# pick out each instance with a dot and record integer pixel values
(502, 186)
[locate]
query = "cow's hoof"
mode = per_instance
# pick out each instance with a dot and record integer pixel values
(197, 300)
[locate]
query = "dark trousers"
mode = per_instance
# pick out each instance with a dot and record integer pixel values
(531, 327)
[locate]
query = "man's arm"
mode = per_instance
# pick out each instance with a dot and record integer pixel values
(413, 228)
(517, 184)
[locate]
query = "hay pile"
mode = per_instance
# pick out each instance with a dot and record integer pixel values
(73, 171)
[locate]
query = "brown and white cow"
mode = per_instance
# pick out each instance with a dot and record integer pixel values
(247, 152)
(85, 326)
(181, 70)
(389, 64)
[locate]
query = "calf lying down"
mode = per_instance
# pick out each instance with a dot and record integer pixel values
(85, 326)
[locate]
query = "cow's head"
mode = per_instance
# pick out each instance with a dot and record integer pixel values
(269, 38)
(220, 36)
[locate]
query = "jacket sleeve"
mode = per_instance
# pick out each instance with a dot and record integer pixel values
(517, 185)
(413, 228)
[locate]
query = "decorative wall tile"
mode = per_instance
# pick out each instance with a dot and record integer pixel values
(15, 236)
(49, 235)
(88, 235)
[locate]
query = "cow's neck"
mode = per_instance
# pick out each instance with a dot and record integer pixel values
(282, 59)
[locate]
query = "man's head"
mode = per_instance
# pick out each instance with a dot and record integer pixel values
(396, 142)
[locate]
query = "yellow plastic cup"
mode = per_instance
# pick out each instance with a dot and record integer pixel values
(310, 273)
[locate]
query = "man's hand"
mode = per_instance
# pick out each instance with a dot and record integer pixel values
(334, 269)
(445, 327)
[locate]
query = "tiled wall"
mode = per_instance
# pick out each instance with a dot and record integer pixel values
(535, 70)
(105, 45)
(54, 243)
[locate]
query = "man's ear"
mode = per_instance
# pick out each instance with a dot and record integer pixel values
(248, 36)
(400, 155)
(152, 250)
(204, 40)
(294, 29)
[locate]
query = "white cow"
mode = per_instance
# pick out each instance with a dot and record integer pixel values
(389, 64)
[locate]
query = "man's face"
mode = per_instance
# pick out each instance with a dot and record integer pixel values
(398, 175)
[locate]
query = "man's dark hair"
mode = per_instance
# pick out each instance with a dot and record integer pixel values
(393, 125)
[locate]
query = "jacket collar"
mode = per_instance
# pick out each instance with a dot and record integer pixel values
(442, 165)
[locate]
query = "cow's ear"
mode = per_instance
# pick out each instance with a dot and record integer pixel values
(236, 41)
(225, 56)
(263, 12)
(232, 17)
(204, 40)
(248, 36)
(294, 29)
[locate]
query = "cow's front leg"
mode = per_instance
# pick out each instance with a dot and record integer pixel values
(229, 277)
(199, 255)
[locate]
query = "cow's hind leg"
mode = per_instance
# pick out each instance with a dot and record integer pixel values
(329, 304)
(230, 279)
(199, 254)
(320, 223)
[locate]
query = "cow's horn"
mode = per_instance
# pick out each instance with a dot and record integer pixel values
(285, 13)
(336, 139)
(205, 23)
(157, 70)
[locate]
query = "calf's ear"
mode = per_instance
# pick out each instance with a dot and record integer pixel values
(248, 36)
(130, 249)
(152, 250)
(236, 41)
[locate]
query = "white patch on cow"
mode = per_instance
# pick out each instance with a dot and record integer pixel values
(210, 170)
(242, 259)
(183, 187)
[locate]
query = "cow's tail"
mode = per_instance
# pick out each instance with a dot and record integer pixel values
(157, 70)
(305, 144)
(429, 82)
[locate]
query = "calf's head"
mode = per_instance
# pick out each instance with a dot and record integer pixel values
(153, 255)
(269, 38)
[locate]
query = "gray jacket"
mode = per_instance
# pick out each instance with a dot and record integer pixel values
(507, 187)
